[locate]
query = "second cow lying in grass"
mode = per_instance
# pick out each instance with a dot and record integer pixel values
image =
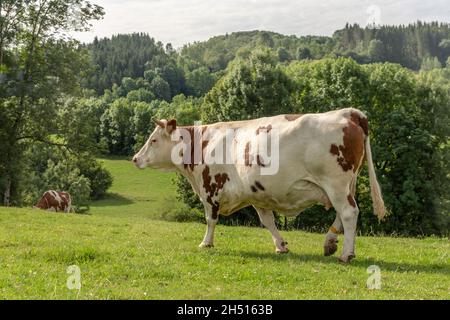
(56, 201)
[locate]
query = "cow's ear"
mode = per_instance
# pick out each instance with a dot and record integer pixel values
(171, 126)
(160, 123)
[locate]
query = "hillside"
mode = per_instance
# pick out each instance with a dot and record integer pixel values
(194, 68)
(218, 51)
(125, 252)
(409, 45)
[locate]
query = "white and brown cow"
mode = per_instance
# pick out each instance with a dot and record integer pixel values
(56, 201)
(319, 158)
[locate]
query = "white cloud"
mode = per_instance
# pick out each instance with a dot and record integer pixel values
(184, 21)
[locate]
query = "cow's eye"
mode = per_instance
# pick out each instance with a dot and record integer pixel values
(153, 140)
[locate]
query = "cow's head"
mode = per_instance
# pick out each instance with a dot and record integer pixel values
(156, 152)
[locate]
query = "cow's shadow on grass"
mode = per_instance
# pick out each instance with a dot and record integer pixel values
(112, 199)
(359, 262)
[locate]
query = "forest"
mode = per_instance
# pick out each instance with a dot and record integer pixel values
(64, 104)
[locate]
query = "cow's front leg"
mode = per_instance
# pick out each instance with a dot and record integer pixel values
(268, 221)
(331, 239)
(208, 240)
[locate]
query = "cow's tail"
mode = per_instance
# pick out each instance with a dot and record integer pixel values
(375, 190)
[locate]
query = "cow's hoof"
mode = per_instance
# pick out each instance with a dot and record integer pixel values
(346, 259)
(282, 250)
(330, 248)
(205, 245)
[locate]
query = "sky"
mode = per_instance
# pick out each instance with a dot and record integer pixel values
(185, 21)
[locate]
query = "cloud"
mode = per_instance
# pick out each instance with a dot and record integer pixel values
(184, 21)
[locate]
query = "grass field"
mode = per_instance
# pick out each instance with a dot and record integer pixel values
(125, 252)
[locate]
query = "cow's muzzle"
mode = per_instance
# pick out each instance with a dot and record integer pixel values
(137, 162)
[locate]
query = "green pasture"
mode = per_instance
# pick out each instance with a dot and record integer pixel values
(126, 251)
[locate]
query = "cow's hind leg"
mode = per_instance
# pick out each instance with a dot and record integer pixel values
(267, 219)
(331, 238)
(349, 218)
(345, 205)
(208, 240)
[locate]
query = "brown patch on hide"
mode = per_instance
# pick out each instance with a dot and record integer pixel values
(259, 161)
(349, 154)
(334, 149)
(351, 201)
(292, 117)
(247, 155)
(361, 121)
(259, 185)
(212, 188)
(220, 179)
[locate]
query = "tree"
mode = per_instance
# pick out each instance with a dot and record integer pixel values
(251, 89)
(266, 40)
(430, 63)
(142, 124)
(141, 95)
(45, 67)
(444, 44)
(165, 66)
(123, 55)
(185, 109)
(11, 12)
(303, 53)
(160, 88)
(283, 55)
(376, 50)
(199, 82)
(116, 129)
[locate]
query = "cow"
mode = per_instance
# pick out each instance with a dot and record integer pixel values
(56, 201)
(319, 158)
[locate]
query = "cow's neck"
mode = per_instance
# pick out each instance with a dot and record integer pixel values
(189, 174)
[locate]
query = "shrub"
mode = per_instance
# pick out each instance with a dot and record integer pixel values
(100, 180)
(64, 176)
(181, 212)
(49, 167)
